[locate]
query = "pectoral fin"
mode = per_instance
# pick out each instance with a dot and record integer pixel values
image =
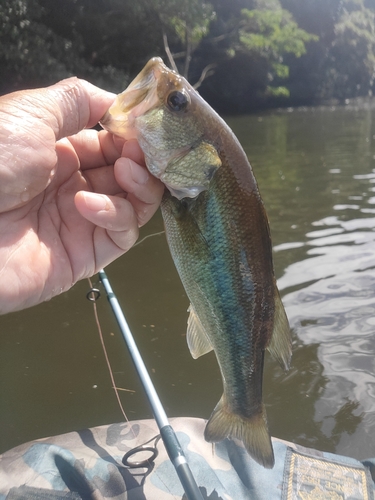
(280, 345)
(197, 338)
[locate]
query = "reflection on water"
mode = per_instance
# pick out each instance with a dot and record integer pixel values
(316, 171)
(334, 307)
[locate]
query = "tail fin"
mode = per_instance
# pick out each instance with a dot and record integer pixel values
(253, 432)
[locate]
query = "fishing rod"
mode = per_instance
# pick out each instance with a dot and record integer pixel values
(170, 440)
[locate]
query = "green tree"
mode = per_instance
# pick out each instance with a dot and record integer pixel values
(340, 65)
(29, 51)
(183, 23)
(39, 44)
(258, 44)
(261, 50)
(269, 31)
(353, 50)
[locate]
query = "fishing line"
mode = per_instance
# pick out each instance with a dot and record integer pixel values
(93, 295)
(146, 237)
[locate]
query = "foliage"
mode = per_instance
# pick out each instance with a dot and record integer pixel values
(353, 50)
(187, 22)
(191, 19)
(271, 32)
(340, 64)
(28, 49)
(252, 53)
(33, 54)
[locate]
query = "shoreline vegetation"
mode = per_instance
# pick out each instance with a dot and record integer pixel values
(355, 104)
(245, 56)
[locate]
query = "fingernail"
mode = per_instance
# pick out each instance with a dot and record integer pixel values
(139, 174)
(95, 202)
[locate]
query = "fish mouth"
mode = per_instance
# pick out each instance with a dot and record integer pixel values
(138, 98)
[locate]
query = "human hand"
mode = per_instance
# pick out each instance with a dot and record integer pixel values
(71, 199)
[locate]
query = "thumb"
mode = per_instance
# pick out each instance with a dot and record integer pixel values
(78, 104)
(30, 123)
(66, 107)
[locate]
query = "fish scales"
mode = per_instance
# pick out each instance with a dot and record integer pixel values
(218, 234)
(216, 266)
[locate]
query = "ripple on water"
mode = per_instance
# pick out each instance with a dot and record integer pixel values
(335, 308)
(328, 258)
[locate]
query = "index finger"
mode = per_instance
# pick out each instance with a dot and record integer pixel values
(95, 149)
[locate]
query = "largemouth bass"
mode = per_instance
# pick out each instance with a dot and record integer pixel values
(218, 234)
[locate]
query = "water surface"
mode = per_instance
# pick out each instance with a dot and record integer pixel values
(316, 172)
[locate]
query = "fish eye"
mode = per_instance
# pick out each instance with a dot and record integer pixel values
(177, 101)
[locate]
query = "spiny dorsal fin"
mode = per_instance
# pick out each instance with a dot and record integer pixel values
(196, 336)
(280, 345)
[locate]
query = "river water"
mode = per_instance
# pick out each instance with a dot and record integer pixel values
(316, 172)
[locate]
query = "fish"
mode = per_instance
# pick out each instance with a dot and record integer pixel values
(219, 237)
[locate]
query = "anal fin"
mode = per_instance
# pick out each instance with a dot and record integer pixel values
(197, 338)
(280, 345)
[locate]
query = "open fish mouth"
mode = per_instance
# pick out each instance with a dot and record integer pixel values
(156, 110)
(138, 98)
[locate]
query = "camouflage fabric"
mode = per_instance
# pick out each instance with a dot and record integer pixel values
(89, 465)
